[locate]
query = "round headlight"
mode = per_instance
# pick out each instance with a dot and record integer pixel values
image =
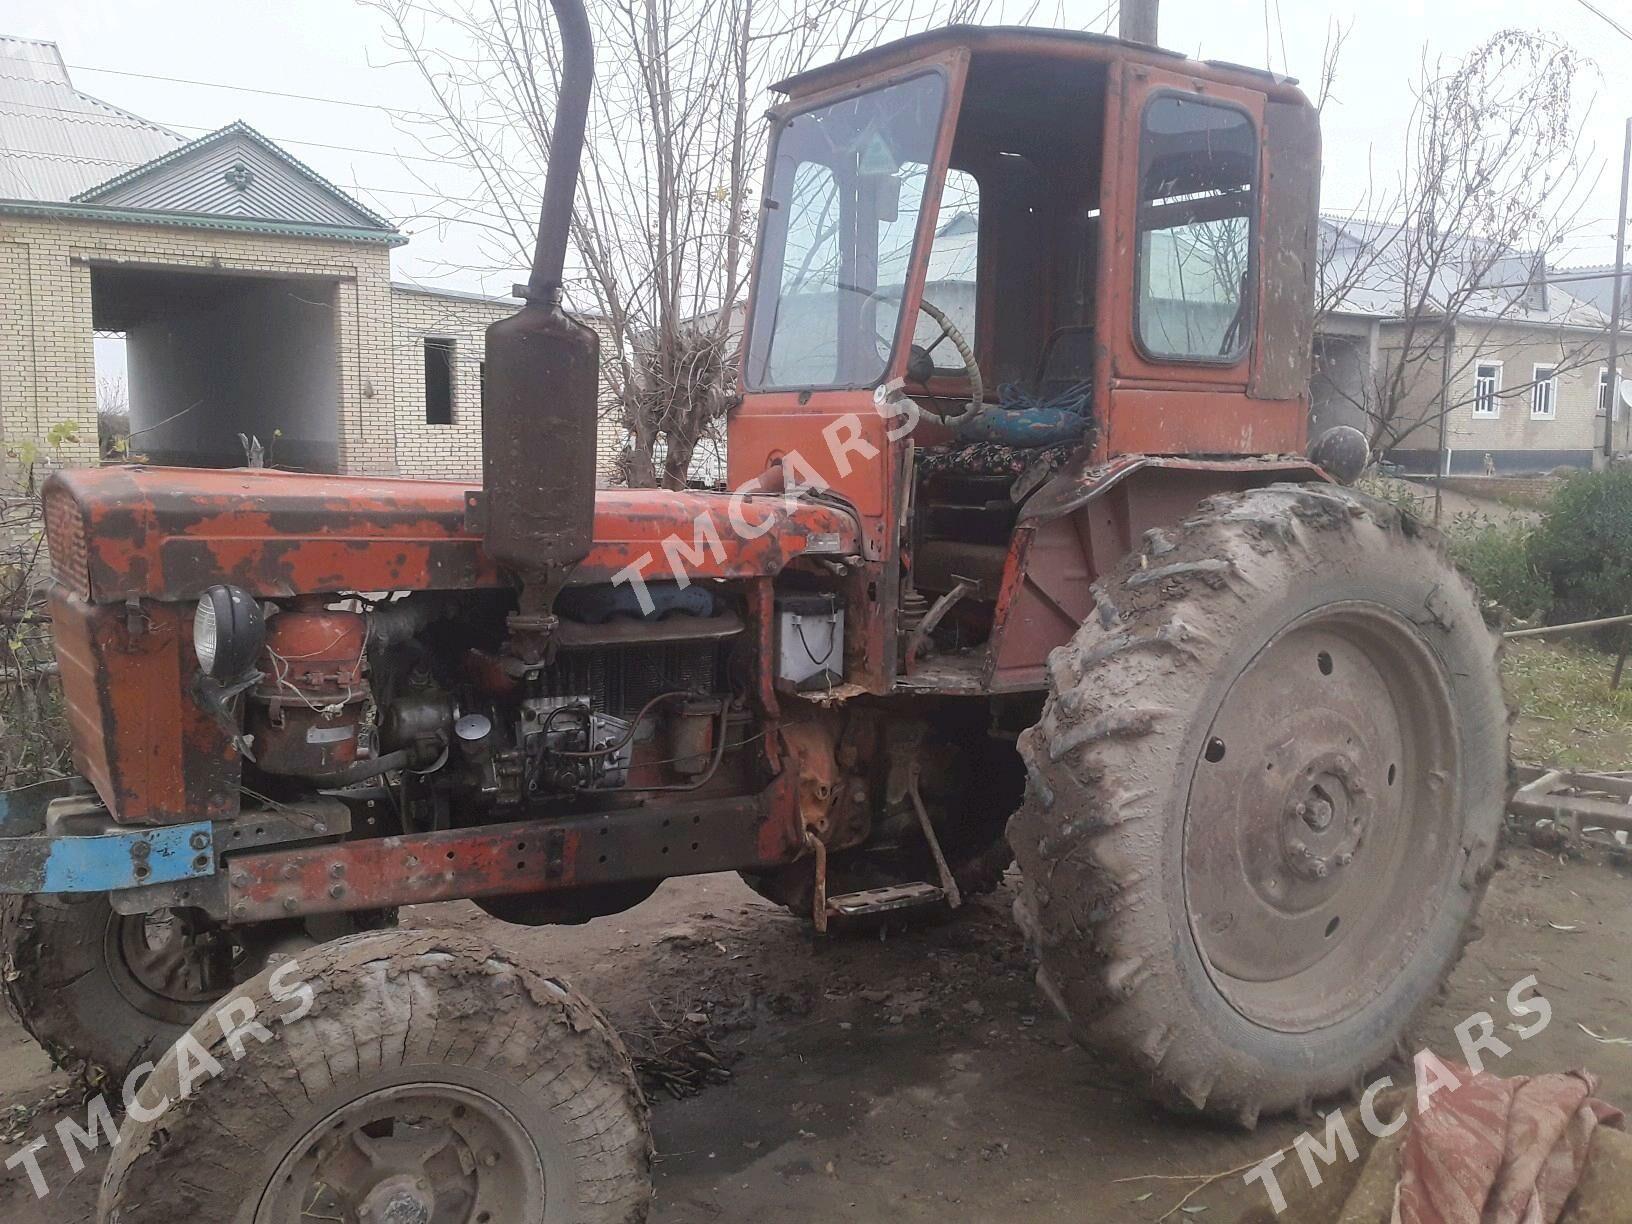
(228, 632)
(205, 634)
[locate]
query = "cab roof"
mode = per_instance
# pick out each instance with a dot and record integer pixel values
(1035, 41)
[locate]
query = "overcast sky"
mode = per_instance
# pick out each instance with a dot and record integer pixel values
(333, 49)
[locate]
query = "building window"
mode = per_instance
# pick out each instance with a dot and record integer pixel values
(1604, 394)
(438, 381)
(1487, 381)
(1543, 392)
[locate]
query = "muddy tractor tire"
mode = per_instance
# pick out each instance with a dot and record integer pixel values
(1263, 799)
(404, 1075)
(102, 992)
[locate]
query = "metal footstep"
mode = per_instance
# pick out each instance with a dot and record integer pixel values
(883, 900)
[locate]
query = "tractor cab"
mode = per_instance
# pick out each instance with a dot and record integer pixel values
(1090, 216)
(1060, 248)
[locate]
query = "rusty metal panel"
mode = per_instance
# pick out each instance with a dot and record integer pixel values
(150, 750)
(642, 843)
(1287, 253)
(1205, 421)
(1033, 43)
(168, 533)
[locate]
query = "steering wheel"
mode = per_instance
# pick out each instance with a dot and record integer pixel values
(921, 360)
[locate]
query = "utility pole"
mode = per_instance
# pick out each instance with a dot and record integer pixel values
(1136, 23)
(1615, 303)
(1442, 460)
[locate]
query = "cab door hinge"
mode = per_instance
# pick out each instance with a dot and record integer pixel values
(136, 621)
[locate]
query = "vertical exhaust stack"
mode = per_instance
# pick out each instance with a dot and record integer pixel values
(542, 387)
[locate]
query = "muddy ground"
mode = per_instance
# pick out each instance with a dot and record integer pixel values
(920, 1077)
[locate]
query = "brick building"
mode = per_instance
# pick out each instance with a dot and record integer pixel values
(1528, 383)
(253, 297)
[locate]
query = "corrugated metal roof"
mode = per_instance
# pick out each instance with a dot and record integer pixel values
(234, 172)
(1377, 265)
(1595, 283)
(185, 220)
(457, 295)
(56, 141)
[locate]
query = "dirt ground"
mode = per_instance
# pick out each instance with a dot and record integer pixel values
(919, 1075)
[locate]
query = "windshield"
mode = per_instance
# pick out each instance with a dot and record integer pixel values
(846, 193)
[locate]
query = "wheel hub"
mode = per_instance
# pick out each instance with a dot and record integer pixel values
(411, 1154)
(1325, 814)
(170, 964)
(400, 1199)
(1316, 832)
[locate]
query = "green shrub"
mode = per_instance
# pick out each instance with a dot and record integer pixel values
(1496, 557)
(33, 724)
(1583, 546)
(1397, 493)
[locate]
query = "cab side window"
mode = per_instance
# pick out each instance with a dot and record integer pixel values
(1198, 164)
(954, 256)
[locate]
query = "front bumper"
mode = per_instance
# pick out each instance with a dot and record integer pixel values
(57, 837)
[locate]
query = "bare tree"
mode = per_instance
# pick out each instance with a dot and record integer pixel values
(112, 416)
(665, 213)
(1490, 193)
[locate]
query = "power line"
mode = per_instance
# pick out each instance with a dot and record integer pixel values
(195, 127)
(270, 93)
(251, 89)
(1607, 19)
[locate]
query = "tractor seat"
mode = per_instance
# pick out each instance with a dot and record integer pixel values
(991, 458)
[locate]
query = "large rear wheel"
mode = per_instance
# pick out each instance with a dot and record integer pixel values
(1263, 798)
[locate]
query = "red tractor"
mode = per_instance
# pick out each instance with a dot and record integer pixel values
(1025, 561)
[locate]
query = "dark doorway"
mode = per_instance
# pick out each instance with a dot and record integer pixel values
(438, 381)
(212, 356)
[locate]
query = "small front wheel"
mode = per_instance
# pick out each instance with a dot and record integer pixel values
(412, 1076)
(101, 991)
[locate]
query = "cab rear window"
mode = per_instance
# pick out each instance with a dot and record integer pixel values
(1198, 176)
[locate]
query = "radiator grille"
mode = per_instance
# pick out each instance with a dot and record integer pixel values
(65, 535)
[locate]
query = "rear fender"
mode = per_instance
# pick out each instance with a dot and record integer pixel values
(1079, 526)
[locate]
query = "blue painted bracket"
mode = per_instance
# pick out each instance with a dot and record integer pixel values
(110, 858)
